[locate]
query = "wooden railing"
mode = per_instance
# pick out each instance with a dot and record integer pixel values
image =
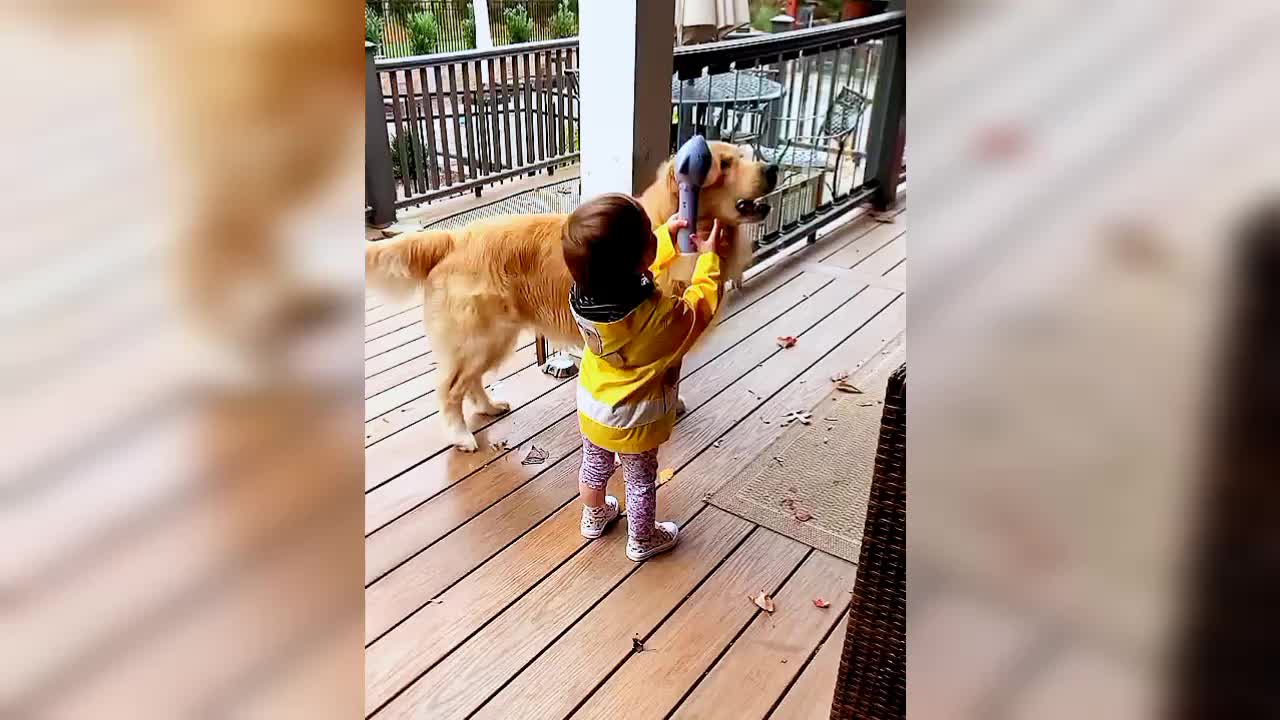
(456, 122)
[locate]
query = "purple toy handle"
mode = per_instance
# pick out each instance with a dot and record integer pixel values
(692, 165)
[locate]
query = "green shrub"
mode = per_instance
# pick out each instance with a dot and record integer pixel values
(409, 163)
(519, 24)
(373, 26)
(424, 33)
(469, 27)
(564, 23)
(762, 16)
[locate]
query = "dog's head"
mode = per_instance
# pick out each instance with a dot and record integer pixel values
(734, 187)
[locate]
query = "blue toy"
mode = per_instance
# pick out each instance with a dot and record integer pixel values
(692, 165)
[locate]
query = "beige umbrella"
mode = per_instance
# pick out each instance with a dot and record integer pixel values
(706, 20)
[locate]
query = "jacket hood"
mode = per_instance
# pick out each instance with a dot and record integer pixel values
(607, 327)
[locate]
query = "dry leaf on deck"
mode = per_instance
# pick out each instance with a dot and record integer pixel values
(803, 516)
(786, 341)
(637, 644)
(764, 602)
(535, 456)
(848, 387)
(500, 446)
(820, 603)
(665, 475)
(842, 375)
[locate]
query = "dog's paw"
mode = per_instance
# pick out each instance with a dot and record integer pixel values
(496, 407)
(465, 442)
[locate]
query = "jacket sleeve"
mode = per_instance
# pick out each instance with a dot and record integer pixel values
(695, 309)
(666, 251)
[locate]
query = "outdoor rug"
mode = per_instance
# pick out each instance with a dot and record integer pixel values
(813, 482)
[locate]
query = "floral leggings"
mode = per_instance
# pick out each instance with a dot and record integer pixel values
(641, 474)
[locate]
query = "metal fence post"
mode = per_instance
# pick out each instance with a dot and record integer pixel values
(379, 179)
(888, 111)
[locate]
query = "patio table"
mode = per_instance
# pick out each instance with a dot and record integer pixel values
(739, 90)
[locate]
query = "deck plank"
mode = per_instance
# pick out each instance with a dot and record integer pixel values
(756, 670)
(651, 683)
(424, 383)
(403, 493)
(403, 591)
(811, 695)
(462, 681)
(424, 481)
(431, 520)
(391, 341)
(397, 321)
(686, 490)
(407, 435)
(384, 362)
(431, 630)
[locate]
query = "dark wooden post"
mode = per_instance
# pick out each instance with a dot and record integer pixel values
(379, 179)
(888, 126)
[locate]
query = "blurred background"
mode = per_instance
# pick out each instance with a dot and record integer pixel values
(181, 479)
(182, 306)
(1079, 176)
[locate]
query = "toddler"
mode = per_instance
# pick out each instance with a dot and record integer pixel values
(635, 338)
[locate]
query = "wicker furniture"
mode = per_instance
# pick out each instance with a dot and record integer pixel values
(872, 680)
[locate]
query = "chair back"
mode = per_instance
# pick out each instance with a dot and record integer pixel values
(843, 113)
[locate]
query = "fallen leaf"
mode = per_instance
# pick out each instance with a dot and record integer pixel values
(819, 602)
(842, 375)
(848, 387)
(777, 459)
(535, 456)
(797, 415)
(764, 602)
(784, 661)
(718, 443)
(786, 341)
(637, 645)
(665, 475)
(435, 601)
(865, 404)
(500, 446)
(802, 516)
(830, 419)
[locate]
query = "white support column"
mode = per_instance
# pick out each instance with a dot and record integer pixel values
(625, 66)
(484, 36)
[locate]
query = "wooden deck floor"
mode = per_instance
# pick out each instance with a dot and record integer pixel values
(484, 601)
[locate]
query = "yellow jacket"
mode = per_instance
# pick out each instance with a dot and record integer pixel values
(629, 379)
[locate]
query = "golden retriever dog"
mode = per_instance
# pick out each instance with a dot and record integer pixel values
(484, 283)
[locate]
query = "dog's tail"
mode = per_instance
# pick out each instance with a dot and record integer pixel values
(398, 266)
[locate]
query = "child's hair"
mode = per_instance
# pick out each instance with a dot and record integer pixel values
(605, 242)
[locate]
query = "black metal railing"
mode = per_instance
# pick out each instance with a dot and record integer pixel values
(825, 104)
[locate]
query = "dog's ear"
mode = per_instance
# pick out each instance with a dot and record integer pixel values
(667, 174)
(714, 175)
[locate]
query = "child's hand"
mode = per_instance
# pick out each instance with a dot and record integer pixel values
(709, 243)
(674, 223)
